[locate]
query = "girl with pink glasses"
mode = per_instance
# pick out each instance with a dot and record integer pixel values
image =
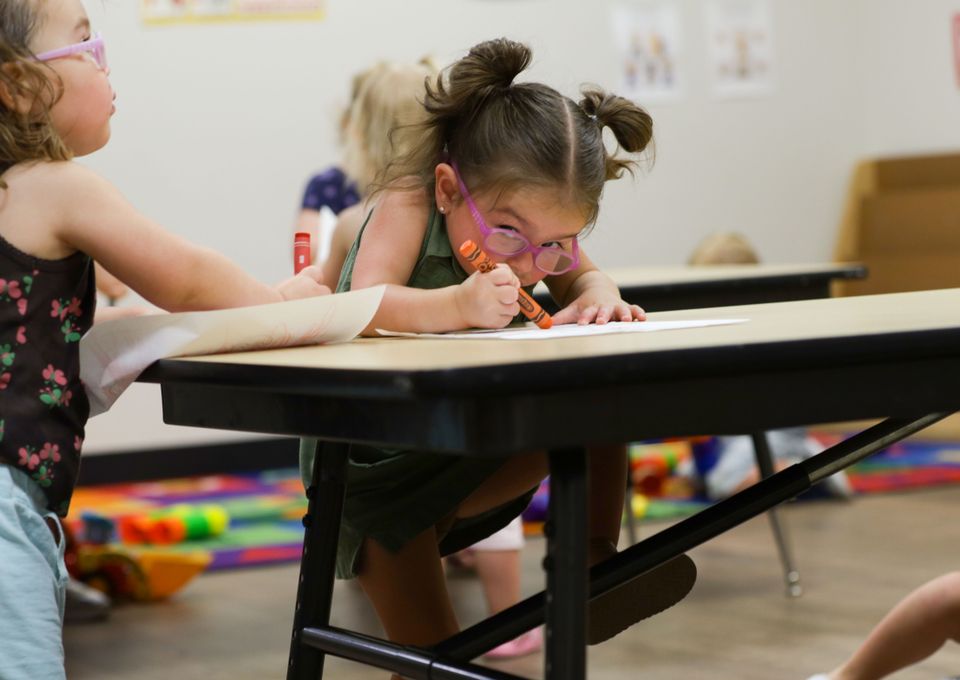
(517, 168)
(56, 218)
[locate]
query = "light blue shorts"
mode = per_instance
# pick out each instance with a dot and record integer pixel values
(33, 581)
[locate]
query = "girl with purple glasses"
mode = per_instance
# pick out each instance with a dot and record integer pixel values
(56, 218)
(518, 168)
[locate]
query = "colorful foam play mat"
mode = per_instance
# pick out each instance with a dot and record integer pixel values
(229, 521)
(237, 520)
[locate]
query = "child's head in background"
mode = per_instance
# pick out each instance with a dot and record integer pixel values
(724, 248)
(55, 95)
(387, 101)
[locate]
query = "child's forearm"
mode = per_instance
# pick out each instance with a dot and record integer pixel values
(414, 310)
(217, 282)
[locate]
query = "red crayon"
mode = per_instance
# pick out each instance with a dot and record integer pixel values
(301, 251)
(482, 263)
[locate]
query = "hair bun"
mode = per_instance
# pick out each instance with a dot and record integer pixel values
(490, 66)
(631, 125)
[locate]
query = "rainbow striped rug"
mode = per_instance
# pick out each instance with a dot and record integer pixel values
(265, 509)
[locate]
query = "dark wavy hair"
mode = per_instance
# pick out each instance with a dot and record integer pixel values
(504, 135)
(26, 136)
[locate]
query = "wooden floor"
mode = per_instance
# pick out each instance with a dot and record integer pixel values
(856, 558)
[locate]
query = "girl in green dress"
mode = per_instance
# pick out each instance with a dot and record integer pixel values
(519, 169)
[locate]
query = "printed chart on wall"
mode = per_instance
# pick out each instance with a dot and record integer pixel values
(740, 47)
(648, 40)
(189, 11)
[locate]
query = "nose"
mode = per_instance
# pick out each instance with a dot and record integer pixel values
(522, 265)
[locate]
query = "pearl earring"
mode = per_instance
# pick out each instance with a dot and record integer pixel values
(443, 210)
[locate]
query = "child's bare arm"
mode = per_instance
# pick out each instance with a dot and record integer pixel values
(168, 271)
(345, 233)
(388, 252)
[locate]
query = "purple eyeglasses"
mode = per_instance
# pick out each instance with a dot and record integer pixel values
(94, 46)
(548, 259)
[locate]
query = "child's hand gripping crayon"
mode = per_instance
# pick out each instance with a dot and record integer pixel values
(482, 263)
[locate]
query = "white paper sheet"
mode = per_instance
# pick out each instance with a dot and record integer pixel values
(532, 332)
(114, 353)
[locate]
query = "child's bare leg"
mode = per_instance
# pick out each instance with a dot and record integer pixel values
(913, 630)
(608, 486)
(499, 572)
(408, 589)
(656, 590)
(513, 479)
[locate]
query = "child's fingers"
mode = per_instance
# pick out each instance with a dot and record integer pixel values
(587, 315)
(604, 313)
(312, 272)
(566, 315)
(625, 312)
(502, 275)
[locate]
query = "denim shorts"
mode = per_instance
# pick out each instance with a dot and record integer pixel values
(33, 581)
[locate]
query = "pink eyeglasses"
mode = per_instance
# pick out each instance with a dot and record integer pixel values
(94, 47)
(548, 259)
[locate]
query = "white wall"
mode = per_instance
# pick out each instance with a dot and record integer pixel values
(218, 126)
(911, 100)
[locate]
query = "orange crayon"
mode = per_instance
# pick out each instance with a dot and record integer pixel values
(482, 263)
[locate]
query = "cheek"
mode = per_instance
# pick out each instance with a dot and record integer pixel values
(82, 115)
(461, 228)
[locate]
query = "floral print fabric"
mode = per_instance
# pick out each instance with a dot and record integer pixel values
(45, 308)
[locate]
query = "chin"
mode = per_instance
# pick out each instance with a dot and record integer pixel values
(88, 146)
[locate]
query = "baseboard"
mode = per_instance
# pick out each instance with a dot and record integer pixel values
(186, 461)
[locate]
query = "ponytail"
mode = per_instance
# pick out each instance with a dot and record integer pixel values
(630, 124)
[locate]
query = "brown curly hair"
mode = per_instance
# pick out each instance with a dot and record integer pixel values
(26, 136)
(504, 134)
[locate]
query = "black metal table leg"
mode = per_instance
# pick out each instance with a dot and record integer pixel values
(566, 566)
(319, 557)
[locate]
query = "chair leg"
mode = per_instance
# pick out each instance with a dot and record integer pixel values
(628, 509)
(791, 575)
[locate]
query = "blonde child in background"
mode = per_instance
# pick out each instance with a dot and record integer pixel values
(56, 217)
(381, 97)
(496, 560)
(519, 169)
(386, 107)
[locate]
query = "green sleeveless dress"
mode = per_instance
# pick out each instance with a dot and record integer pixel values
(394, 495)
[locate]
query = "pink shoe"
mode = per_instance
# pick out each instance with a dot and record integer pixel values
(528, 643)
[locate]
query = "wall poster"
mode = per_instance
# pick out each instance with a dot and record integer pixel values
(187, 11)
(740, 46)
(648, 40)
